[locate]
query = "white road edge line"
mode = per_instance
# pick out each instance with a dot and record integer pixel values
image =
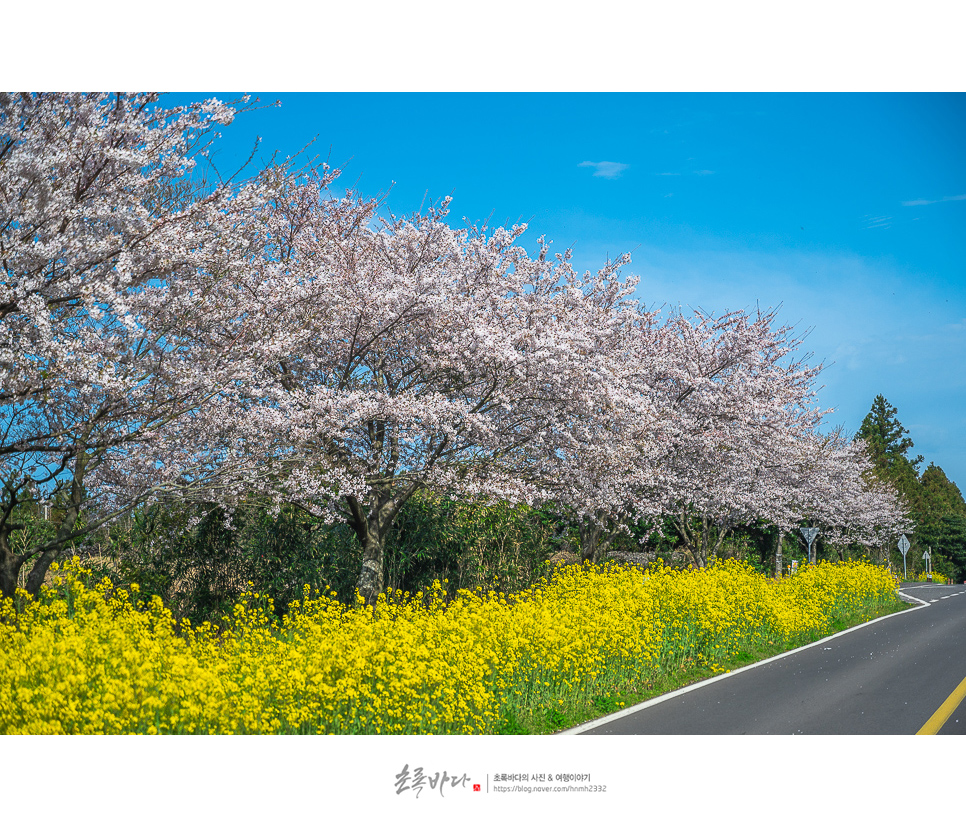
(606, 719)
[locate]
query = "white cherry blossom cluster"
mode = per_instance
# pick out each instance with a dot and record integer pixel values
(266, 337)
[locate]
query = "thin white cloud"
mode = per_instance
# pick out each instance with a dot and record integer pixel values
(877, 222)
(930, 202)
(703, 173)
(609, 170)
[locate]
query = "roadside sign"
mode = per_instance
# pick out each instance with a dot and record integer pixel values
(809, 534)
(904, 548)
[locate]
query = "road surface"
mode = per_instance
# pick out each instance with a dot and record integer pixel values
(901, 674)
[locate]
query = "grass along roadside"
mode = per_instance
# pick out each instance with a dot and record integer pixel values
(615, 693)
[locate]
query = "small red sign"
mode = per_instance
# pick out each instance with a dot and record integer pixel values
(476, 787)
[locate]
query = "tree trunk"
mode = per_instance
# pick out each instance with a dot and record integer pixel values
(594, 538)
(9, 562)
(722, 533)
(589, 536)
(35, 579)
(703, 547)
(371, 583)
(683, 525)
(697, 540)
(591, 531)
(371, 522)
(778, 554)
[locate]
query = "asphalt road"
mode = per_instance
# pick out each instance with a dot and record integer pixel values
(889, 676)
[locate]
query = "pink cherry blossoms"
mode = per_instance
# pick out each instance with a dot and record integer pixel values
(268, 337)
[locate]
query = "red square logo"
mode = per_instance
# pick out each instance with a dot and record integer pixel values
(476, 787)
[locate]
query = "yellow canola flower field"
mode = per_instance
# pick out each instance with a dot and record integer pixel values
(93, 659)
(937, 577)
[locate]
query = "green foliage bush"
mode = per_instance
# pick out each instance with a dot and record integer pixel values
(199, 560)
(494, 546)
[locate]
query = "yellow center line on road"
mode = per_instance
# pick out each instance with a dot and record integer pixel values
(941, 715)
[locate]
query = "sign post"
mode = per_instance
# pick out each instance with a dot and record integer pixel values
(809, 534)
(904, 548)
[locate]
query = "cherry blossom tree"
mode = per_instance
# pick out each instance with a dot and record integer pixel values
(422, 357)
(416, 356)
(752, 447)
(720, 430)
(833, 487)
(610, 474)
(726, 404)
(113, 336)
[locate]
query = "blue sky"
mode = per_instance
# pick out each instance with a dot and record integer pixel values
(848, 210)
